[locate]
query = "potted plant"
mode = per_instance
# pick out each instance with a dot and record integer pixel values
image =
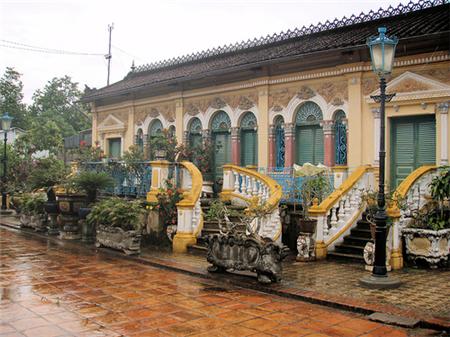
(427, 233)
(33, 212)
(91, 183)
(118, 224)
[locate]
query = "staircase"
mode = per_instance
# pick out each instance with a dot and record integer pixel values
(352, 248)
(211, 227)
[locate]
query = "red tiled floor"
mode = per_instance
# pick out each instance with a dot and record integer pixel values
(102, 296)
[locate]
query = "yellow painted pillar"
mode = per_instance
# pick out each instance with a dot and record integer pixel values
(129, 133)
(263, 127)
(179, 107)
(94, 124)
(355, 127)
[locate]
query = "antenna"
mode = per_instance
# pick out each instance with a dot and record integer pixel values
(109, 56)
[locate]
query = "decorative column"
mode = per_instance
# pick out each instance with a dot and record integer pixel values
(206, 134)
(94, 124)
(235, 146)
(355, 122)
(443, 112)
(263, 127)
(289, 129)
(328, 143)
(129, 136)
(179, 107)
(160, 173)
(376, 136)
(272, 149)
(186, 137)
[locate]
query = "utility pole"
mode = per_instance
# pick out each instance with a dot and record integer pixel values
(108, 56)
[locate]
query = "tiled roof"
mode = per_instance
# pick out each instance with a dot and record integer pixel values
(405, 21)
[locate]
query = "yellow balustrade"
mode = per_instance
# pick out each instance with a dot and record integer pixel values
(394, 213)
(336, 195)
(263, 188)
(190, 217)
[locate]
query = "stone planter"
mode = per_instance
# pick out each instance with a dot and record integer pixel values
(243, 252)
(69, 205)
(207, 189)
(117, 238)
(38, 222)
(87, 229)
(25, 220)
(427, 247)
(51, 207)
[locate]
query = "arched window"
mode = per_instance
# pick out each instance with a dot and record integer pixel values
(220, 134)
(195, 133)
(309, 134)
(340, 138)
(140, 139)
(172, 131)
(279, 142)
(155, 128)
(249, 145)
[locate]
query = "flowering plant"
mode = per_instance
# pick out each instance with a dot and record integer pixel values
(167, 203)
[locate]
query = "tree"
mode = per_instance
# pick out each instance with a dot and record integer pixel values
(59, 102)
(11, 91)
(42, 136)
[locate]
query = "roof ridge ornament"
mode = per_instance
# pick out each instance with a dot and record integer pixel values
(295, 33)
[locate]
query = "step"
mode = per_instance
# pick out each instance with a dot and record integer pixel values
(357, 239)
(346, 256)
(350, 249)
(363, 233)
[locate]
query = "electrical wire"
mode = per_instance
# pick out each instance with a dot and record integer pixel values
(27, 47)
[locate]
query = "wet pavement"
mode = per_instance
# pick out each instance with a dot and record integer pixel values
(50, 290)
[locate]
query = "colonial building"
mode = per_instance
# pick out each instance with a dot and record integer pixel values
(297, 96)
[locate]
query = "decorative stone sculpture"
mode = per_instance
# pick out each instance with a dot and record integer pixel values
(117, 238)
(243, 252)
(306, 247)
(369, 256)
(427, 246)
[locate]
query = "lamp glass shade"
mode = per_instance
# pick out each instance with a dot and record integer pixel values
(382, 51)
(6, 121)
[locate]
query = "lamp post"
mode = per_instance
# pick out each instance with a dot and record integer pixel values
(382, 51)
(6, 125)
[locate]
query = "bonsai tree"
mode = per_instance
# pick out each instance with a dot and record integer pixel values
(91, 183)
(47, 173)
(313, 189)
(117, 212)
(435, 215)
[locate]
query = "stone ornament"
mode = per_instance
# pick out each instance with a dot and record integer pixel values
(427, 246)
(306, 247)
(369, 256)
(305, 93)
(171, 230)
(117, 238)
(217, 103)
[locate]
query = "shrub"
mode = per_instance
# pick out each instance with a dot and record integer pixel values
(92, 182)
(117, 212)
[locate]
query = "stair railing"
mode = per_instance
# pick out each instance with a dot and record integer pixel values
(243, 186)
(190, 217)
(340, 211)
(413, 192)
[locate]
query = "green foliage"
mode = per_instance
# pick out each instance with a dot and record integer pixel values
(33, 204)
(85, 153)
(117, 212)
(164, 141)
(47, 172)
(315, 187)
(17, 170)
(40, 137)
(92, 182)
(435, 215)
(11, 91)
(167, 203)
(200, 155)
(59, 102)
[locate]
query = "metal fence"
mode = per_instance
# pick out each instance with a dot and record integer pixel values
(129, 180)
(290, 184)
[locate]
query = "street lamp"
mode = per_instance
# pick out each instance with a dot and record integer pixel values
(6, 125)
(382, 51)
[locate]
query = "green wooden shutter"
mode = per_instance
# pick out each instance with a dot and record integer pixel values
(426, 139)
(304, 145)
(222, 154)
(318, 146)
(114, 147)
(403, 151)
(248, 148)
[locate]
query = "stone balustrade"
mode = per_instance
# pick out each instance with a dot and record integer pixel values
(414, 193)
(340, 211)
(242, 186)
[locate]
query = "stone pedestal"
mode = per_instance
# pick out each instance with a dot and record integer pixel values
(306, 247)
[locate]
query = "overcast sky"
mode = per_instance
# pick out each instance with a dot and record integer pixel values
(144, 31)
